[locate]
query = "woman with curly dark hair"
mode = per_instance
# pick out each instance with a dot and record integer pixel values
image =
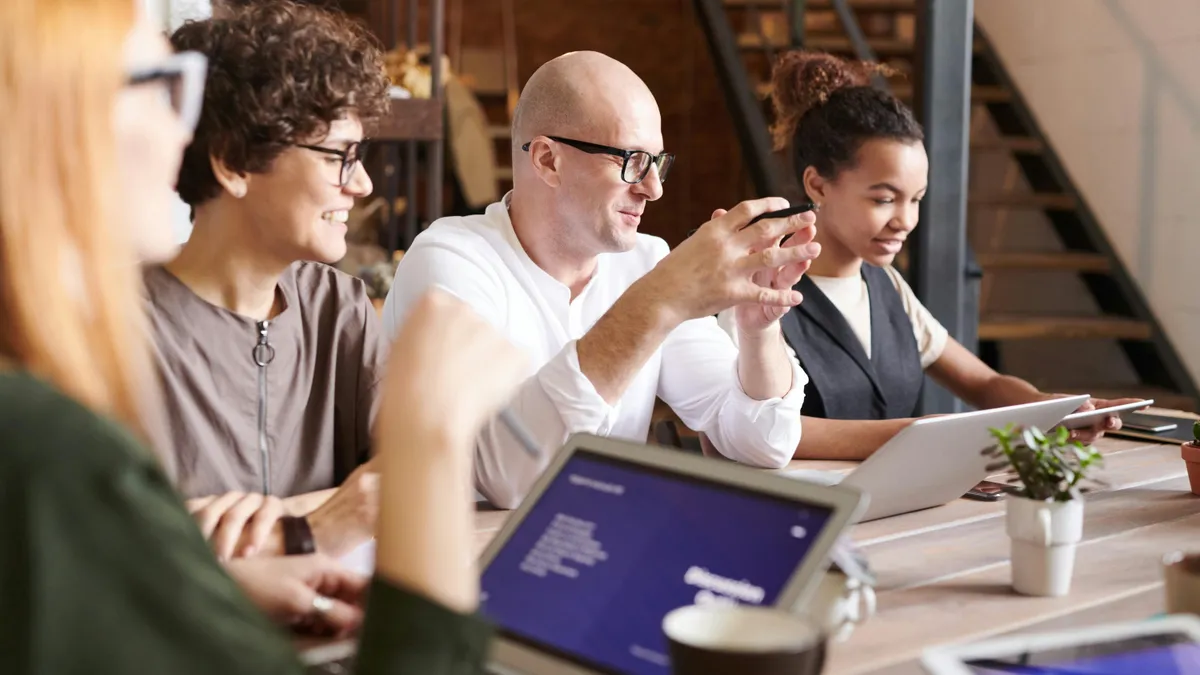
(269, 357)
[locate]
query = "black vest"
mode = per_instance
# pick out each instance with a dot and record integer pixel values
(842, 382)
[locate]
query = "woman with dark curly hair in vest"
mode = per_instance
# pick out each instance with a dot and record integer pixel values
(861, 334)
(269, 357)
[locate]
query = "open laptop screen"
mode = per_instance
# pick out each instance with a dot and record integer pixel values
(610, 547)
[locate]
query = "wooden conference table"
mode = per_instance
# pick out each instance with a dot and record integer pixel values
(943, 573)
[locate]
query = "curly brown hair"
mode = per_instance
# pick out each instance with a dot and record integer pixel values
(279, 73)
(826, 108)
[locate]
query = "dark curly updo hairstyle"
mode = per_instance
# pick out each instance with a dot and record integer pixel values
(826, 108)
(279, 73)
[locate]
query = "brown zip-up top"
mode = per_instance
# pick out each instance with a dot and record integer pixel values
(295, 395)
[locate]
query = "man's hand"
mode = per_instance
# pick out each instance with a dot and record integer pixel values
(308, 593)
(347, 518)
(236, 524)
(752, 318)
(726, 263)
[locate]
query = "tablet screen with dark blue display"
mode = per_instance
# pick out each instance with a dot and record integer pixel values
(610, 547)
(1166, 654)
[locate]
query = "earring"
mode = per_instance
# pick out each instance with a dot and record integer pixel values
(239, 192)
(816, 207)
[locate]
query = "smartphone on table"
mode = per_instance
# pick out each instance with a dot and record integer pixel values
(987, 491)
(1155, 424)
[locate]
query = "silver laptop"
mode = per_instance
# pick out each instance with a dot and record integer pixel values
(935, 460)
(616, 534)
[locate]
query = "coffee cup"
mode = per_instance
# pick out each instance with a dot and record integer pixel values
(714, 639)
(1181, 582)
(840, 603)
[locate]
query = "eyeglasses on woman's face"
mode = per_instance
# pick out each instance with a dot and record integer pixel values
(352, 156)
(181, 78)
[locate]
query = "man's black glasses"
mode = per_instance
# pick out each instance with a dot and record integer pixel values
(637, 162)
(351, 156)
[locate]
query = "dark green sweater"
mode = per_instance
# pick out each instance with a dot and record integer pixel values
(102, 570)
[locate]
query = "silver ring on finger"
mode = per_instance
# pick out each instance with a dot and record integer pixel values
(322, 604)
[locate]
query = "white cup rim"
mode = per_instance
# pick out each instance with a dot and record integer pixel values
(741, 629)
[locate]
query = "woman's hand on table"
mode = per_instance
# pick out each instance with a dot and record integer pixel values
(308, 593)
(238, 524)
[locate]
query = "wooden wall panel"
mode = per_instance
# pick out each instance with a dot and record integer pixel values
(662, 42)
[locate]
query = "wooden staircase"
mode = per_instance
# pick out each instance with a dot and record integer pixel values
(1028, 183)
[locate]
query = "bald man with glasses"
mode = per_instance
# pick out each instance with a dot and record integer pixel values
(612, 318)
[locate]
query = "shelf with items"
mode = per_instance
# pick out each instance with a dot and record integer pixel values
(412, 134)
(406, 161)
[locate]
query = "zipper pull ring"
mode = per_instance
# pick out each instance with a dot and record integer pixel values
(263, 352)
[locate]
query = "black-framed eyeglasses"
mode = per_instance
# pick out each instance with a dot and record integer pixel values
(351, 157)
(183, 76)
(637, 162)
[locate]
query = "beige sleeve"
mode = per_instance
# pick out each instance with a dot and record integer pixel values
(931, 335)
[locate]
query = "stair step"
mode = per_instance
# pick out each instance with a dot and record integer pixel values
(840, 44)
(979, 93)
(861, 5)
(835, 44)
(1024, 144)
(1025, 327)
(1071, 261)
(828, 43)
(986, 93)
(499, 131)
(904, 92)
(1030, 200)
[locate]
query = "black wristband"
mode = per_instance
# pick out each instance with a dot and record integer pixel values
(297, 536)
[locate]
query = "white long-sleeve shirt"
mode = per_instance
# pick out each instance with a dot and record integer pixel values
(480, 260)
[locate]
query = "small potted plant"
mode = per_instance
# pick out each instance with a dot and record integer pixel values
(1045, 511)
(1191, 455)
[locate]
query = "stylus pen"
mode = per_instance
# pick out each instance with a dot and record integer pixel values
(519, 432)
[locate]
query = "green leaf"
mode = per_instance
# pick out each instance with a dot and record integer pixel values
(1050, 467)
(1062, 436)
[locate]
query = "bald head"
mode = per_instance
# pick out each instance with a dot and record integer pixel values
(582, 94)
(572, 201)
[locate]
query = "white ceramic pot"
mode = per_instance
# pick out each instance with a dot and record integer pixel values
(1044, 536)
(840, 603)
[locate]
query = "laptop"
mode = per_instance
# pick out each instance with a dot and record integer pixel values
(934, 460)
(616, 534)
(1167, 645)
